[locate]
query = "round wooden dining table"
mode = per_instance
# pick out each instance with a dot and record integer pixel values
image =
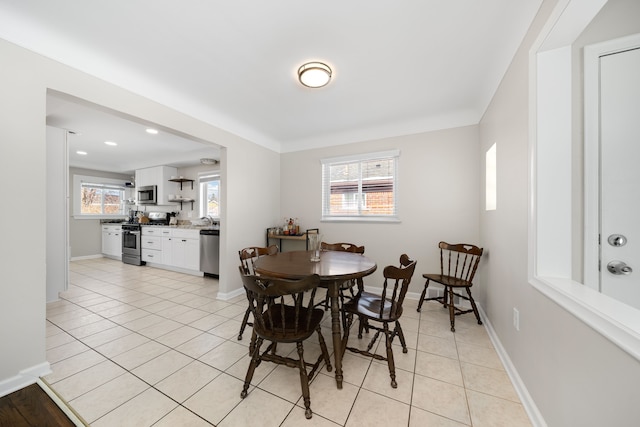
(334, 268)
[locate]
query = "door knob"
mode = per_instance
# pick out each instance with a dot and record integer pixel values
(617, 240)
(619, 267)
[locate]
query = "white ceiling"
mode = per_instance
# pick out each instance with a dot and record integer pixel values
(91, 126)
(400, 67)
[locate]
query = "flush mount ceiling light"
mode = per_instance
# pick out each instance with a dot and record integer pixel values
(209, 161)
(314, 74)
(111, 143)
(152, 131)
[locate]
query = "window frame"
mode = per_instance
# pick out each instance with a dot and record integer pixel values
(327, 163)
(205, 177)
(79, 181)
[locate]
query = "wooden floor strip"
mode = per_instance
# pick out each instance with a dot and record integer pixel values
(31, 406)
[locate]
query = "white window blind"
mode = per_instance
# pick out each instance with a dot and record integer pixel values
(361, 187)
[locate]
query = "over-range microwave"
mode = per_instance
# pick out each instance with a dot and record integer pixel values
(148, 195)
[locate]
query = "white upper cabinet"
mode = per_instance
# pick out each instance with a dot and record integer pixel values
(159, 176)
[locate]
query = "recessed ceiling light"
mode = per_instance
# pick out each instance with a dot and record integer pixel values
(314, 74)
(111, 143)
(206, 161)
(152, 131)
(82, 153)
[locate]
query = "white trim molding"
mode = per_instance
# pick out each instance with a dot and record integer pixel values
(24, 378)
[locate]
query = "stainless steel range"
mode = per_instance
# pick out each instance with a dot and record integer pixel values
(131, 244)
(132, 235)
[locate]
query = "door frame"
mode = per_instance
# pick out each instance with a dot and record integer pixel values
(592, 54)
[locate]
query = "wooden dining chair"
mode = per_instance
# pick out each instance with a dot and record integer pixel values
(349, 284)
(284, 311)
(382, 309)
(248, 256)
(458, 266)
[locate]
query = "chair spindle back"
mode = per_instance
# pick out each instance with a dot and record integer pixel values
(460, 260)
(277, 316)
(396, 283)
(248, 256)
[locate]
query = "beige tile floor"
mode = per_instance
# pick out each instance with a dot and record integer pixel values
(139, 346)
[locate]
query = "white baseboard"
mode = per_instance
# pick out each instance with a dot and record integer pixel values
(24, 378)
(415, 296)
(176, 269)
(230, 295)
(527, 401)
(80, 258)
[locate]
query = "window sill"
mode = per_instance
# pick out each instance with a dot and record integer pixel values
(361, 219)
(616, 321)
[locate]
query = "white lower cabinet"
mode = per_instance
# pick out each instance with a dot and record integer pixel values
(112, 241)
(185, 249)
(151, 242)
(171, 247)
(167, 259)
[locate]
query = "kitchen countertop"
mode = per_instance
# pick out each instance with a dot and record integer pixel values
(179, 226)
(185, 227)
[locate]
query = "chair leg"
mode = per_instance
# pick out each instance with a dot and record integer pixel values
(363, 324)
(245, 321)
(345, 337)
(252, 367)
(452, 310)
(473, 305)
(323, 348)
(423, 295)
(445, 297)
(304, 381)
(390, 361)
(252, 343)
(398, 331)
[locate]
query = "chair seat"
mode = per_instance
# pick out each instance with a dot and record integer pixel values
(385, 308)
(458, 265)
(448, 280)
(368, 304)
(296, 328)
(283, 311)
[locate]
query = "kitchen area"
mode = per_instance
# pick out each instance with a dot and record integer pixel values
(160, 229)
(136, 192)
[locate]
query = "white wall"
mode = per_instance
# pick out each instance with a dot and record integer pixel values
(438, 198)
(56, 213)
(250, 177)
(576, 376)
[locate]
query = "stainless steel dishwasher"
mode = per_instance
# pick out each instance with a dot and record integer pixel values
(210, 252)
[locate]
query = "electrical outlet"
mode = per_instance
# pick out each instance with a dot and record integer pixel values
(516, 319)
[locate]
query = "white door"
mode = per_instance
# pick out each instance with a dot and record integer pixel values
(620, 176)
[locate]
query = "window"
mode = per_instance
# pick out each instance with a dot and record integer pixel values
(210, 195)
(491, 168)
(362, 187)
(99, 197)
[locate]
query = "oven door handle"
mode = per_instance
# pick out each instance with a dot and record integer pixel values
(133, 232)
